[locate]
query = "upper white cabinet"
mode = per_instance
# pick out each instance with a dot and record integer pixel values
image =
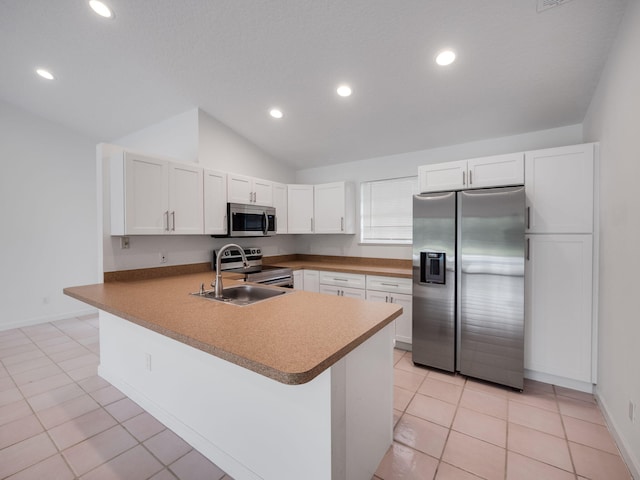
(215, 202)
(280, 204)
(300, 208)
(493, 171)
(249, 190)
(334, 208)
(323, 208)
(151, 196)
(559, 184)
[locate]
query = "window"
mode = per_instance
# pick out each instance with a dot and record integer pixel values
(387, 210)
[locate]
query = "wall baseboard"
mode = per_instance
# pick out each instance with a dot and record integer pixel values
(630, 457)
(50, 318)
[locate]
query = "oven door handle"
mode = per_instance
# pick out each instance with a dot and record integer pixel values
(283, 282)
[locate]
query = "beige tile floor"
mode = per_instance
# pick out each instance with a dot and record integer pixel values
(450, 427)
(59, 420)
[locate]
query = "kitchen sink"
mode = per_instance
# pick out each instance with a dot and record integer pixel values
(244, 294)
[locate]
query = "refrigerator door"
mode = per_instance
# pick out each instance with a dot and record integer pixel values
(491, 299)
(434, 237)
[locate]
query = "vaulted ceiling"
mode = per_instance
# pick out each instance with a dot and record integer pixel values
(517, 70)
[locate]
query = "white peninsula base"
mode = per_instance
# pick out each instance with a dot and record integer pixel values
(337, 426)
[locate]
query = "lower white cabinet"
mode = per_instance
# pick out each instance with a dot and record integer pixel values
(311, 280)
(298, 279)
(343, 284)
(394, 290)
(558, 306)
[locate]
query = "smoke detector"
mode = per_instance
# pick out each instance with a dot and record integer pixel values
(547, 4)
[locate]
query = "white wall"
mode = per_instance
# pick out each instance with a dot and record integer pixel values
(406, 164)
(49, 221)
(193, 136)
(614, 119)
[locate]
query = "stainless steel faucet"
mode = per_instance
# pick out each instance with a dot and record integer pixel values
(217, 292)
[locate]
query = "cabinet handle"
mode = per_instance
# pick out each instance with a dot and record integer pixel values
(389, 284)
(166, 220)
(463, 179)
(528, 250)
(341, 279)
(255, 197)
(342, 224)
(173, 218)
(386, 299)
(391, 300)
(470, 177)
(528, 218)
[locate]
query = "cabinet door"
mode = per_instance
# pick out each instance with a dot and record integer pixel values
(300, 208)
(146, 195)
(280, 204)
(262, 192)
(558, 312)
(496, 171)
(298, 279)
(404, 321)
(215, 202)
(329, 208)
(559, 189)
(311, 281)
(185, 199)
(239, 188)
(443, 176)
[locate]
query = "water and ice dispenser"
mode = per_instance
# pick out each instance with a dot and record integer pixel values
(432, 267)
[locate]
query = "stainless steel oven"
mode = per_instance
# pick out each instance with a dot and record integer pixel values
(256, 272)
(250, 220)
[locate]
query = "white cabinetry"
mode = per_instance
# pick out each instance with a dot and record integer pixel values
(493, 171)
(560, 320)
(151, 196)
(324, 208)
(311, 280)
(558, 329)
(394, 290)
(559, 187)
(300, 208)
(280, 204)
(298, 279)
(215, 202)
(343, 284)
(334, 208)
(249, 190)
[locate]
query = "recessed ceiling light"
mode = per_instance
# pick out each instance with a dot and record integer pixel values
(344, 90)
(446, 57)
(45, 73)
(101, 9)
(276, 113)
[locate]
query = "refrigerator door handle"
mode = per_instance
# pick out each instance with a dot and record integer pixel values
(528, 218)
(458, 277)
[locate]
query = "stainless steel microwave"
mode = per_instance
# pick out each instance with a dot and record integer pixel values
(250, 220)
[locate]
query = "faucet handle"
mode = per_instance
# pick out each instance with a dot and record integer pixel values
(202, 288)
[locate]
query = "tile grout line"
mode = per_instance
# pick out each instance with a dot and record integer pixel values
(564, 430)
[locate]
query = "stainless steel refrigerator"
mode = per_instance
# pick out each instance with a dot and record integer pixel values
(468, 283)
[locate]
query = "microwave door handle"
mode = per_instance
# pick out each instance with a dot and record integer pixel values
(265, 230)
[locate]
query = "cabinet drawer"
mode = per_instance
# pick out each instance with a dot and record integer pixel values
(351, 280)
(389, 284)
(343, 291)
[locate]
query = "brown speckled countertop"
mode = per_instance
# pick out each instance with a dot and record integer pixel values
(361, 265)
(291, 338)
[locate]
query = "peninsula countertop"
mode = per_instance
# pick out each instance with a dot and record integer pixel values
(291, 338)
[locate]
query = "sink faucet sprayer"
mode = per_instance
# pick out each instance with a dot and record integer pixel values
(217, 292)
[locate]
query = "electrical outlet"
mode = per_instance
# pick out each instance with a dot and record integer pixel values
(632, 411)
(124, 242)
(163, 257)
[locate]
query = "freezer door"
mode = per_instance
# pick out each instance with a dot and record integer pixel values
(491, 261)
(434, 236)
